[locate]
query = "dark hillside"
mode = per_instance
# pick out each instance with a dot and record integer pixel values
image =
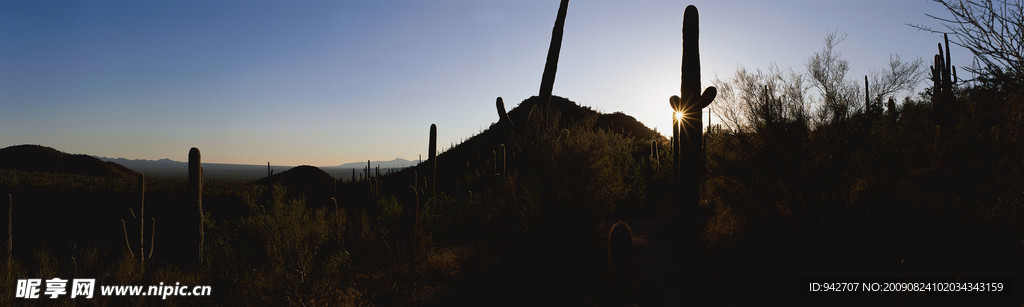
(626, 125)
(36, 158)
(505, 189)
(481, 154)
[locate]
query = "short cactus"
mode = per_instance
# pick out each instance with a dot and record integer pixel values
(408, 220)
(503, 118)
(380, 184)
(551, 65)
(654, 150)
(620, 245)
(503, 159)
(195, 190)
(890, 109)
(687, 129)
(370, 185)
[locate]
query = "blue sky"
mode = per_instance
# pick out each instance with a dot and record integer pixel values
(329, 82)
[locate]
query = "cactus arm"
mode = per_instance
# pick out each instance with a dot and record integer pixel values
(705, 99)
(502, 115)
(152, 236)
(124, 228)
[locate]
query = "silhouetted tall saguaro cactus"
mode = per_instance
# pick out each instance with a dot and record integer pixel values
(943, 77)
(432, 153)
(142, 226)
(432, 158)
(195, 190)
(687, 129)
(551, 65)
(867, 96)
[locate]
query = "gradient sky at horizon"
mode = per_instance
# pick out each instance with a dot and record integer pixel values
(329, 82)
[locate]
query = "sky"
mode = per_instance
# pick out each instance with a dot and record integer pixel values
(329, 82)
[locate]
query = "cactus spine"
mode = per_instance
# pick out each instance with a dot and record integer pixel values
(687, 129)
(943, 78)
(195, 188)
(551, 65)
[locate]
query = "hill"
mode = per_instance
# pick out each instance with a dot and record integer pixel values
(532, 147)
(162, 167)
(571, 113)
(530, 115)
(315, 184)
(480, 150)
(36, 158)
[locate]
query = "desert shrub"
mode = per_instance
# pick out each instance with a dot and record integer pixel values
(287, 254)
(577, 175)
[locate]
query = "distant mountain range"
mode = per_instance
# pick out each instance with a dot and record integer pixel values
(396, 163)
(171, 168)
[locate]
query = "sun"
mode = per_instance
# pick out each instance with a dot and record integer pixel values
(678, 116)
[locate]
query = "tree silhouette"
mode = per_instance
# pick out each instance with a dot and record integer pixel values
(992, 30)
